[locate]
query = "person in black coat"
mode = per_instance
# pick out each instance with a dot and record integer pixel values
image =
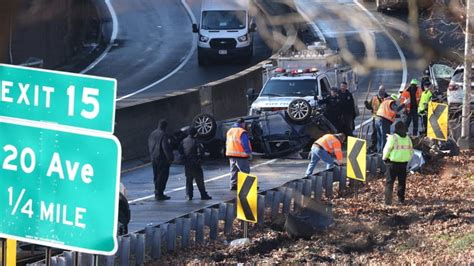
(347, 109)
(161, 155)
(192, 153)
(333, 108)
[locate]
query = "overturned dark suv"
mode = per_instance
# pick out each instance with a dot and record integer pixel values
(272, 134)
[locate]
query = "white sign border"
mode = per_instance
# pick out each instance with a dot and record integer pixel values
(35, 124)
(114, 101)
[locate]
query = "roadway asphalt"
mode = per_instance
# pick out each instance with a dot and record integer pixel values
(155, 50)
(273, 172)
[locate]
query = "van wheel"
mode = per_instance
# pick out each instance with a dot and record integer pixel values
(299, 110)
(206, 125)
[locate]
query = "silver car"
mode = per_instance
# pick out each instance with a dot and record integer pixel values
(455, 91)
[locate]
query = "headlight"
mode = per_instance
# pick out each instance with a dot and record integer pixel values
(243, 38)
(203, 38)
(254, 111)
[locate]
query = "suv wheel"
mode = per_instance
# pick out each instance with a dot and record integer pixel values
(205, 125)
(299, 110)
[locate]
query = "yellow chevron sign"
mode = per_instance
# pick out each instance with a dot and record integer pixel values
(247, 197)
(356, 158)
(437, 121)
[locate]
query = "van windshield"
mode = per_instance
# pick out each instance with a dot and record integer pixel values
(290, 88)
(223, 20)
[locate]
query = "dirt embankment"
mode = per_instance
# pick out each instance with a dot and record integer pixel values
(434, 225)
(64, 34)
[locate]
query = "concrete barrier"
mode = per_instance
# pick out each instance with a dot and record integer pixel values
(55, 35)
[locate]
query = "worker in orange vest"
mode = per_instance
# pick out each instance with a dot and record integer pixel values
(373, 106)
(410, 97)
(238, 150)
(385, 117)
(323, 148)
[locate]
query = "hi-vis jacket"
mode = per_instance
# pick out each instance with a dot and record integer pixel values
(331, 144)
(398, 149)
(405, 98)
(385, 110)
(375, 104)
(424, 100)
(237, 143)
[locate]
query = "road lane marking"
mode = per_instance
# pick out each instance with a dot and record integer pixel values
(313, 25)
(178, 68)
(206, 181)
(112, 38)
(399, 50)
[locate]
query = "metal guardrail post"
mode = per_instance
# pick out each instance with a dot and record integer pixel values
(148, 238)
(62, 261)
(269, 198)
(213, 223)
(276, 204)
(307, 187)
(328, 184)
(133, 243)
(207, 216)
(156, 247)
(261, 209)
(287, 196)
(140, 250)
(318, 187)
(222, 210)
(179, 226)
(171, 237)
(229, 218)
(186, 233)
(200, 228)
(124, 251)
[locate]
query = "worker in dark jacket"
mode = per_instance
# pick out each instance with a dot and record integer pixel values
(411, 98)
(333, 108)
(192, 153)
(162, 156)
(347, 109)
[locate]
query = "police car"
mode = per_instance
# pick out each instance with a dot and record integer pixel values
(284, 87)
(308, 75)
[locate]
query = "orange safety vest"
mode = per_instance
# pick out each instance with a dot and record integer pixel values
(331, 144)
(386, 111)
(405, 96)
(234, 147)
(376, 101)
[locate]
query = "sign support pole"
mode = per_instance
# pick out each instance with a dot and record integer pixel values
(48, 256)
(4, 251)
(76, 258)
(246, 225)
(96, 260)
(466, 108)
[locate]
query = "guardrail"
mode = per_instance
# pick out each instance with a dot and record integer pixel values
(208, 224)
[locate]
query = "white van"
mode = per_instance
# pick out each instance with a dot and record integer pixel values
(225, 30)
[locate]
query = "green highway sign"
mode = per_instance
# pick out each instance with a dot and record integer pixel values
(59, 188)
(58, 97)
